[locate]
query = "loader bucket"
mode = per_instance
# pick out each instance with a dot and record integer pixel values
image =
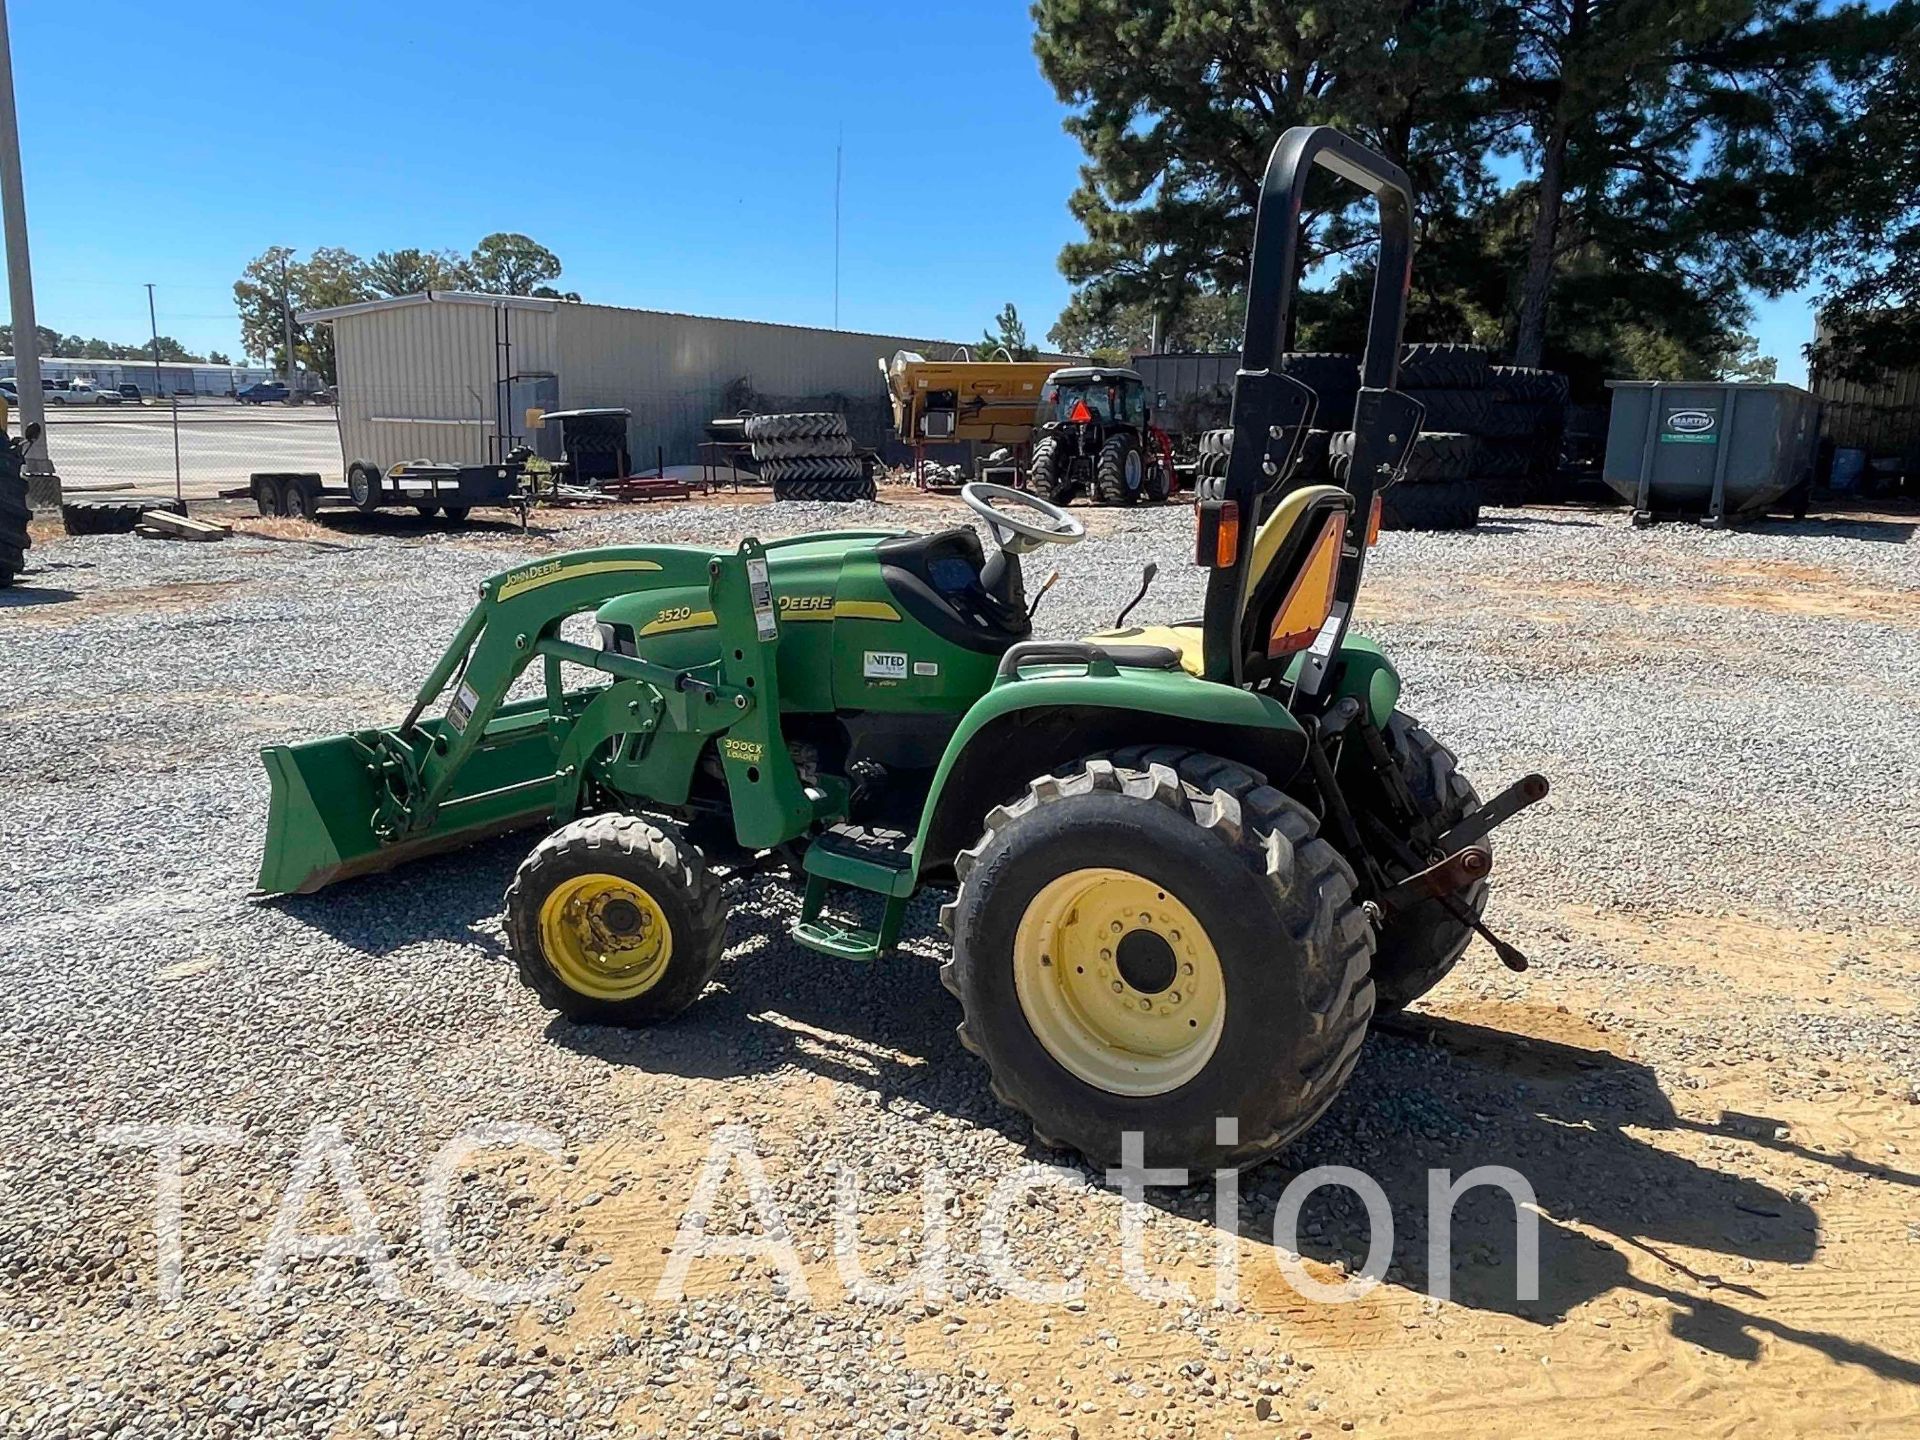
(325, 794)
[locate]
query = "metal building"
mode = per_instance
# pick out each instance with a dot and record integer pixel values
(451, 376)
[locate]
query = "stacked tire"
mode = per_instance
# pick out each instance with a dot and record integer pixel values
(809, 457)
(1526, 424)
(14, 515)
(1440, 489)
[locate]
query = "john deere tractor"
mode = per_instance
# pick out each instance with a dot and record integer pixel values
(1094, 436)
(1188, 860)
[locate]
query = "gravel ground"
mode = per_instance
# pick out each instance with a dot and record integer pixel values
(1721, 715)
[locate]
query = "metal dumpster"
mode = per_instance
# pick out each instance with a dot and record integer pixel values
(1707, 448)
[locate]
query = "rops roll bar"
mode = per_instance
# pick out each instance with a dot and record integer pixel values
(1271, 410)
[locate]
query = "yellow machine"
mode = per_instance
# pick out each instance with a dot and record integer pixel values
(942, 401)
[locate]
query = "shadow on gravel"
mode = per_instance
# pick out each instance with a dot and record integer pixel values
(1842, 527)
(20, 596)
(453, 897)
(405, 522)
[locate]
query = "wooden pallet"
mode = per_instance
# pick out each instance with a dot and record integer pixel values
(165, 525)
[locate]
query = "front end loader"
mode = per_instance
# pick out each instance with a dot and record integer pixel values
(1188, 860)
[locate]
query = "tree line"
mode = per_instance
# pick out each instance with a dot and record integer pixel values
(1600, 185)
(504, 263)
(52, 342)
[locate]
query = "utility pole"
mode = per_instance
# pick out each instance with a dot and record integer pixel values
(836, 228)
(43, 486)
(153, 323)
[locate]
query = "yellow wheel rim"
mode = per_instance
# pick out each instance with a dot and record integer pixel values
(605, 937)
(1119, 981)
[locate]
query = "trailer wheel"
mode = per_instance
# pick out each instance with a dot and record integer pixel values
(266, 495)
(1153, 942)
(457, 513)
(426, 512)
(363, 486)
(304, 497)
(614, 920)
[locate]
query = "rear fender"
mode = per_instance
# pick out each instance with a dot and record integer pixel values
(1055, 714)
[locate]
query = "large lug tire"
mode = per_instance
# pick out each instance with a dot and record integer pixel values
(614, 920)
(816, 426)
(833, 492)
(1436, 455)
(15, 515)
(1158, 482)
(1416, 949)
(1430, 505)
(803, 449)
(1047, 474)
(1510, 419)
(1518, 382)
(1465, 412)
(1225, 888)
(1508, 458)
(1445, 367)
(823, 467)
(101, 517)
(1311, 462)
(363, 486)
(1119, 472)
(1334, 380)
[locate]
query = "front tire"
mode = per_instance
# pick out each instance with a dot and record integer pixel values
(1247, 992)
(614, 920)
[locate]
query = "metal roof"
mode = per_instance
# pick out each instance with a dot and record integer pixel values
(425, 297)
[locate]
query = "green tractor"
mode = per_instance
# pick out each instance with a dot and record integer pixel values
(1094, 435)
(1190, 860)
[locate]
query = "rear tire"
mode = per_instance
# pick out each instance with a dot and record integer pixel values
(1416, 949)
(267, 497)
(1119, 472)
(1277, 965)
(1045, 476)
(15, 515)
(614, 920)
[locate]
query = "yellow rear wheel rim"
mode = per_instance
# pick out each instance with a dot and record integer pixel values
(1119, 981)
(605, 937)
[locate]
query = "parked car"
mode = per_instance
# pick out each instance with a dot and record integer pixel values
(81, 393)
(10, 391)
(132, 393)
(260, 392)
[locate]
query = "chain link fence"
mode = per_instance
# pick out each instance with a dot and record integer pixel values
(197, 449)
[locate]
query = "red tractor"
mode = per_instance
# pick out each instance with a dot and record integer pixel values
(1095, 436)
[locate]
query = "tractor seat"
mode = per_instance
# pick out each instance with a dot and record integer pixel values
(1297, 515)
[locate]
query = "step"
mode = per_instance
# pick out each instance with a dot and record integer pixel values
(875, 860)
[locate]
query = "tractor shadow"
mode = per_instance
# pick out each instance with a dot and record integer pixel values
(1582, 1126)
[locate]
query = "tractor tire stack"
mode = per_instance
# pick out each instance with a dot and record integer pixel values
(1522, 440)
(1441, 487)
(809, 457)
(14, 515)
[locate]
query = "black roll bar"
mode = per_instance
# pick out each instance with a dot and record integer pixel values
(1269, 406)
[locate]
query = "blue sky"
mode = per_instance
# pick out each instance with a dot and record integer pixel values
(674, 156)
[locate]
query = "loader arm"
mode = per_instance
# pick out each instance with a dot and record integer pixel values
(359, 803)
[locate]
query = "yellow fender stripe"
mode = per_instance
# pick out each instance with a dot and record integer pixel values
(540, 576)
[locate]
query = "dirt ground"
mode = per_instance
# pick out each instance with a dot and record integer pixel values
(1727, 1196)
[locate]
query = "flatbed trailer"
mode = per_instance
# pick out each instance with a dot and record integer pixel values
(426, 486)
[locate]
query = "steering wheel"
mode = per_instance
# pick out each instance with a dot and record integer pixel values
(1014, 534)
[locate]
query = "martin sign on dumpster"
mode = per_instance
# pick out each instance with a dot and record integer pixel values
(1689, 427)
